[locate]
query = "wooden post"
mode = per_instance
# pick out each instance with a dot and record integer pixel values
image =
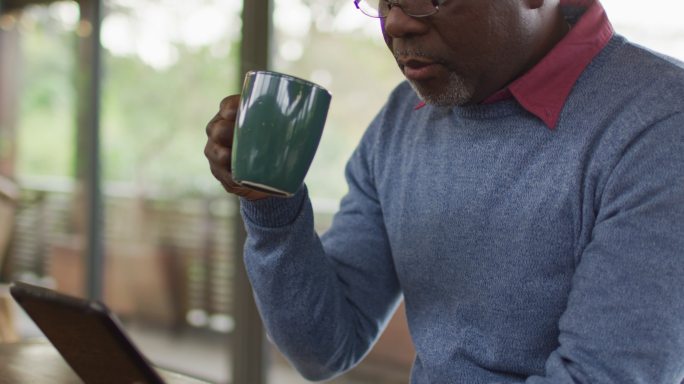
(249, 353)
(88, 192)
(10, 64)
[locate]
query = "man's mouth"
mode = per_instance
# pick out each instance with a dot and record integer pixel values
(418, 68)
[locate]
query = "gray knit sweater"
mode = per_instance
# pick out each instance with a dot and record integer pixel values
(523, 254)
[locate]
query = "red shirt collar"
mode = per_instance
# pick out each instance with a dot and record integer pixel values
(544, 89)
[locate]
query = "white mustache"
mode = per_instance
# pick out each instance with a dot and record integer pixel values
(417, 54)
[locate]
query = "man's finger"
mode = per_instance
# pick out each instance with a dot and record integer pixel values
(226, 179)
(222, 174)
(217, 154)
(210, 126)
(229, 107)
(220, 131)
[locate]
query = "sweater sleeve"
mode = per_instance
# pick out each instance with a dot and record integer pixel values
(624, 322)
(323, 300)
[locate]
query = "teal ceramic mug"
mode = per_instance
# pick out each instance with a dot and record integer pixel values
(277, 130)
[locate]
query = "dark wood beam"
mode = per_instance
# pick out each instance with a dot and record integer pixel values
(10, 71)
(15, 5)
(88, 175)
(249, 349)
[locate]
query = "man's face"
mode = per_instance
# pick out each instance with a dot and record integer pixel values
(465, 52)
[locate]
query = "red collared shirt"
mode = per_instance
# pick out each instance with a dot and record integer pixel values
(544, 89)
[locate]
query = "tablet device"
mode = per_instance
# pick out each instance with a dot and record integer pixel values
(87, 335)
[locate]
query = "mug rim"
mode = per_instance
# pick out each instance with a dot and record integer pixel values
(291, 77)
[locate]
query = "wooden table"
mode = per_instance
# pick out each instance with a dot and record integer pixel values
(38, 362)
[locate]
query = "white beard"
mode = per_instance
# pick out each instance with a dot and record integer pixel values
(457, 92)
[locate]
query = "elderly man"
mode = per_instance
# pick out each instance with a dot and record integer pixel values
(523, 192)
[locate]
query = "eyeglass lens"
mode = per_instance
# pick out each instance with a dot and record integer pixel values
(380, 8)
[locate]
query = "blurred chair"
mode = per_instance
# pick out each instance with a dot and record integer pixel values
(9, 195)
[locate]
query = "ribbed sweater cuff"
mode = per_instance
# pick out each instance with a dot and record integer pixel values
(273, 212)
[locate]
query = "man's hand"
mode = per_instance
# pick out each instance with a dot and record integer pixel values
(218, 149)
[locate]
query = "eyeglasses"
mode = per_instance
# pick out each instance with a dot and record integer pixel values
(414, 8)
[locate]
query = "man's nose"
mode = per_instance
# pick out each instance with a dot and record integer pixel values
(400, 25)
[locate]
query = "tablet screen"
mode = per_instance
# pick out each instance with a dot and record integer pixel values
(87, 335)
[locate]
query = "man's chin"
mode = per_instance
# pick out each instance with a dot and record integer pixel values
(450, 96)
